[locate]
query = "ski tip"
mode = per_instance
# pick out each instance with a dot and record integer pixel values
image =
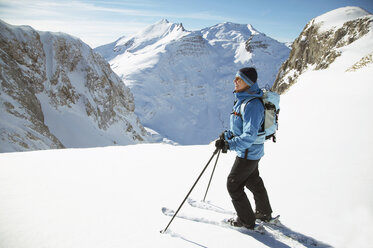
(275, 218)
(167, 211)
(275, 221)
(164, 231)
(191, 201)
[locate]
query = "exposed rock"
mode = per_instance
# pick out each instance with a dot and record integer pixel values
(44, 76)
(362, 63)
(251, 44)
(317, 48)
(191, 45)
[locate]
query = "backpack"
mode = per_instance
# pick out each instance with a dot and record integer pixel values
(271, 103)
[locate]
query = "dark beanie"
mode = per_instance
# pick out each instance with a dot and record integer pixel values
(250, 72)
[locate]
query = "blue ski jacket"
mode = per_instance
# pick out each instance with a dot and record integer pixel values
(244, 129)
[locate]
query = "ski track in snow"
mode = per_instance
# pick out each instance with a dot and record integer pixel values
(209, 206)
(276, 235)
(176, 235)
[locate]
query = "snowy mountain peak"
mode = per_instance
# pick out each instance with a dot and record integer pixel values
(336, 18)
(252, 29)
(159, 29)
(182, 80)
(162, 21)
(227, 31)
(152, 37)
(341, 39)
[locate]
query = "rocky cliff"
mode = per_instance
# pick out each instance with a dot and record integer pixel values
(56, 92)
(322, 41)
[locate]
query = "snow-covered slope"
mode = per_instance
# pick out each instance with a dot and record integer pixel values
(319, 177)
(339, 38)
(56, 92)
(182, 80)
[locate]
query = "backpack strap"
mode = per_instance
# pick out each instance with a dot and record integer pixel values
(243, 105)
(246, 101)
(242, 110)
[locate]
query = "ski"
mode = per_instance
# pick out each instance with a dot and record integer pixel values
(259, 228)
(274, 225)
(274, 221)
(223, 223)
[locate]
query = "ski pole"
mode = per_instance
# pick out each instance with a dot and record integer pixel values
(190, 191)
(212, 173)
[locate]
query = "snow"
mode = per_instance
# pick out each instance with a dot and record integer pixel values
(333, 154)
(180, 78)
(319, 174)
(71, 120)
(145, 45)
(242, 55)
(336, 18)
(319, 177)
(355, 51)
(76, 130)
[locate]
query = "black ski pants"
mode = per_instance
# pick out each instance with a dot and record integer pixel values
(245, 173)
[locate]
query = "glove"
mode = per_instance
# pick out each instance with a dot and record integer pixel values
(227, 134)
(222, 144)
(222, 135)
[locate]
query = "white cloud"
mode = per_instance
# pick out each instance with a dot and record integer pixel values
(95, 25)
(95, 22)
(92, 33)
(36, 8)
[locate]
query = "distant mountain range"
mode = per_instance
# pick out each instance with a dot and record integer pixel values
(182, 80)
(56, 92)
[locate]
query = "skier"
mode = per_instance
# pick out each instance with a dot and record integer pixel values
(242, 138)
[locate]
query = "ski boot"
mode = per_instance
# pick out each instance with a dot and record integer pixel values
(263, 217)
(237, 223)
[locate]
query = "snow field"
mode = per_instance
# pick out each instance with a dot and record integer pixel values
(331, 156)
(318, 176)
(112, 197)
(93, 197)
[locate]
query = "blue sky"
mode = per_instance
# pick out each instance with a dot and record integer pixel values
(99, 22)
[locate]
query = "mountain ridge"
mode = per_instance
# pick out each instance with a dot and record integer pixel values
(182, 80)
(56, 93)
(324, 41)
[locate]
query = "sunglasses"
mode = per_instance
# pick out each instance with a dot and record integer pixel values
(237, 79)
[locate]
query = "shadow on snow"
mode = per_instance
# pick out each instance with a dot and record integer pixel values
(270, 238)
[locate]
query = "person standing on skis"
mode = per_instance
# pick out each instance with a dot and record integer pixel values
(243, 138)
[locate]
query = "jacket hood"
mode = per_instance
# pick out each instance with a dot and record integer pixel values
(253, 92)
